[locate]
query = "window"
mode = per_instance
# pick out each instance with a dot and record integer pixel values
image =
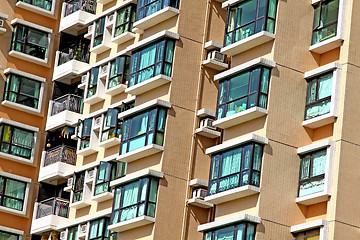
(22, 90)
(30, 41)
(151, 61)
(78, 186)
(236, 167)
(99, 231)
(143, 129)
(249, 17)
(8, 236)
(318, 97)
(242, 231)
(111, 126)
(84, 132)
(312, 173)
(16, 141)
(107, 172)
(12, 193)
(313, 234)
(325, 20)
(243, 91)
(119, 71)
(125, 18)
(72, 233)
(99, 31)
(92, 85)
(146, 8)
(135, 199)
(45, 4)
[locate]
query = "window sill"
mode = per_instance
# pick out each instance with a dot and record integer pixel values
(110, 142)
(86, 151)
(155, 18)
(232, 194)
(37, 10)
(136, 175)
(46, 224)
(197, 202)
(140, 153)
(326, 45)
(80, 204)
(55, 171)
(14, 212)
(101, 47)
(95, 99)
(248, 43)
(26, 57)
(313, 198)
(228, 221)
(319, 121)
(17, 158)
(206, 132)
(103, 197)
(131, 224)
(64, 118)
(21, 107)
(116, 90)
(127, 36)
(148, 85)
(75, 22)
(213, 64)
(241, 117)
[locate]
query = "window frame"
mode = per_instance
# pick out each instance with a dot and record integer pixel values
(32, 4)
(104, 232)
(99, 30)
(246, 224)
(132, 19)
(91, 85)
(75, 231)
(18, 236)
(2, 194)
(306, 232)
(81, 130)
(107, 129)
(78, 187)
(172, 3)
(124, 73)
(112, 175)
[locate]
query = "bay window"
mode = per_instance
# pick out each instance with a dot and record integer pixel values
(84, 132)
(111, 126)
(99, 31)
(108, 171)
(135, 199)
(8, 236)
(93, 82)
(312, 234)
(78, 186)
(236, 167)
(312, 173)
(318, 99)
(119, 71)
(44, 4)
(16, 141)
(249, 17)
(12, 193)
(125, 18)
(241, 231)
(325, 20)
(151, 61)
(147, 7)
(243, 91)
(99, 230)
(143, 129)
(22, 90)
(30, 41)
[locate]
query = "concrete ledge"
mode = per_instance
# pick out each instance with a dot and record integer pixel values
(211, 45)
(228, 221)
(213, 64)
(38, 10)
(206, 132)
(205, 113)
(110, 142)
(46, 224)
(156, 18)
(147, 105)
(133, 176)
(140, 153)
(308, 225)
(326, 45)
(55, 171)
(132, 223)
(198, 183)
(232, 194)
(29, 58)
(123, 37)
(148, 84)
(64, 118)
(323, 69)
(116, 90)
(102, 197)
(199, 203)
(311, 199)
(319, 121)
(315, 146)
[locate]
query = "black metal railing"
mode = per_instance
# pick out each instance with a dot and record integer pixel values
(53, 206)
(75, 52)
(61, 153)
(76, 5)
(69, 102)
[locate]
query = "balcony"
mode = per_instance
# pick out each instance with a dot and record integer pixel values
(63, 111)
(57, 163)
(75, 16)
(49, 214)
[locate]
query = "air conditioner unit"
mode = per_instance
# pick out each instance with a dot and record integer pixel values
(104, 69)
(91, 174)
(90, 28)
(70, 182)
(207, 123)
(83, 228)
(1, 23)
(200, 193)
(111, 18)
(63, 235)
(217, 56)
(97, 121)
(83, 78)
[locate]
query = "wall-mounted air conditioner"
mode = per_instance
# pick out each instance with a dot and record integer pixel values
(70, 182)
(216, 55)
(199, 193)
(207, 123)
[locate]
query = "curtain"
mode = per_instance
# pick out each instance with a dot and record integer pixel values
(240, 231)
(305, 168)
(311, 95)
(152, 120)
(93, 229)
(14, 189)
(257, 157)
(116, 206)
(147, 58)
(272, 9)
(129, 198)
(144, 123)
(231, 162)
(23, 138)
(14, 86)
(224, 234)
(265, 80)
(250, 233)
(325, 86)
(161, 120)
(319, 162)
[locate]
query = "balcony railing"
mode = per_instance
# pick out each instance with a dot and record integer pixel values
(61, 153)
(75, 52)
(69, 102)
(76, 5)
(53, 206)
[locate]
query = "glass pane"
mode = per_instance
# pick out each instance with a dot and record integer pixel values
(37, 37)
(231, 162)
(240, 231)
(246, 12)
(161, 120)
(319, 161)
(250, 233)
(305, 168)
(325, 86)
(239, 86)
(130, 194)
(139, 124)
(318, 109)
(143, 188)
(214, 166)
(257, 157)
(247, 155)
(272, 8)
(255, 75)
(93, 229)
(169, 51)
(153, 189)
(265, 80)
(229, 183)
(224, 233)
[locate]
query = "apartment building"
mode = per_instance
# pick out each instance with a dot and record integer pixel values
(206, 119)
(27, 42)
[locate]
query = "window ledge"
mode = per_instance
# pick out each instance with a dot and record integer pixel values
(197, 202)
(102, 197)
(38, 10)
(248, 43)
(86, 151)
(313, 198)
(21, 107)
(98, 97)
(319, 121)
(104, 46)
(206, 132)
(132, 223)
(110, 142)
(26, 57)
(213, 64)
(15, 212)
(116, 90)
(240, 117)
(17, 158)
(144, 106)
(326, 45)
(232, 194)
(155, 18)
(136, 175)
(308, 225)
(140, 153)
(148, 85)
(127, 36)
(80, 204)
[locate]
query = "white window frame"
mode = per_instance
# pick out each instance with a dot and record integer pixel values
(13, 231)
(38, 10)
(18, 106)
(321, 223)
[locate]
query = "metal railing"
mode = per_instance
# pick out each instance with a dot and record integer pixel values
(75, 52)
(53, 206)
(69, 102)
(61, 153)
(76, 5)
